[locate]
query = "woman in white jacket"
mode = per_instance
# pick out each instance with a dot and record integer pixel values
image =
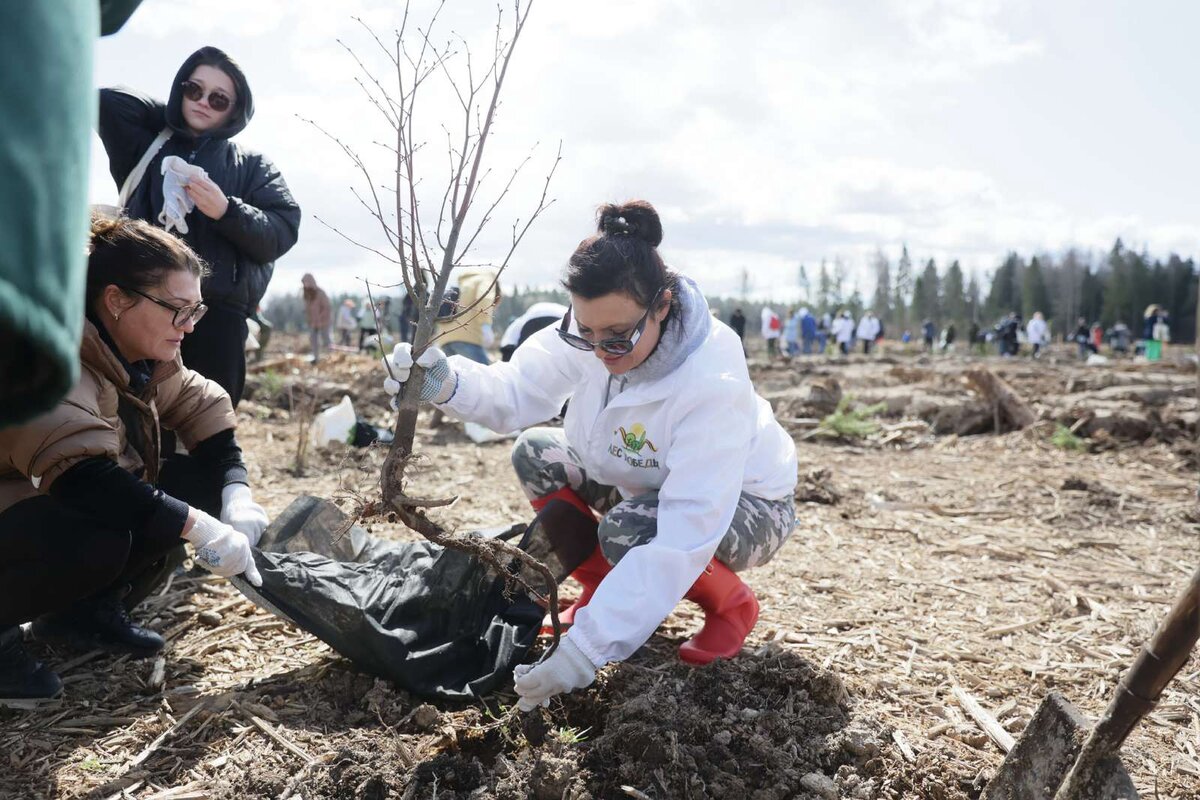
(664, 436)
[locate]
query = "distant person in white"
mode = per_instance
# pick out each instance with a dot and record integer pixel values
(536, 317)
(843, 331)
(868, 331)
(1037, 332)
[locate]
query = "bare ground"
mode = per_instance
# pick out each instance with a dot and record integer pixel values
(1002, 565)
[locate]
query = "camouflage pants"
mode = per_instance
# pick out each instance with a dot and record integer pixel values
(545, 462)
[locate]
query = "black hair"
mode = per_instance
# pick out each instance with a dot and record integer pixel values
(134, 254)
(623, 257)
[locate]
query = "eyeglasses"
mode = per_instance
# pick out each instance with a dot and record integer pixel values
(181, 315)
(217, 100)
(615, 346)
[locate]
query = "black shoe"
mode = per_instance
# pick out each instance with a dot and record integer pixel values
(99, 622)
(24, 682)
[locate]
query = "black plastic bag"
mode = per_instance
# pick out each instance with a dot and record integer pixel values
(434, 621)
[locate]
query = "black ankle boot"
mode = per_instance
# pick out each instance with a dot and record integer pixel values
(23, 681)
(99, 622)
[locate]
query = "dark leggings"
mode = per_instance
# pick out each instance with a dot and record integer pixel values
(52, 556)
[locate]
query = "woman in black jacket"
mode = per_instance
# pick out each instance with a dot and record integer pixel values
(245, 217)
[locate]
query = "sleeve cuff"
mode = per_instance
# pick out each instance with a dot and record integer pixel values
(236, 474)
(166, 523)
(576, 637)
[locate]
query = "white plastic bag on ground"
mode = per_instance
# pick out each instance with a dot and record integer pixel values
(480, 434)
(334, 424)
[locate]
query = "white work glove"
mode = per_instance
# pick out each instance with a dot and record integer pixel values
(440, 380)
(240, 512)
(568, 669)
(221, 549)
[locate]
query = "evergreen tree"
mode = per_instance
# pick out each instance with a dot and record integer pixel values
(881, 303)
(954, 301)
(1180, 296)
(854, 304)
(802, 279)
(1035, 296)
(1091, 298)
(825, 293)
(974, 308)
(839, 281)
(1005, 294)
(1117, 284)
(926, 295)
(902, 288)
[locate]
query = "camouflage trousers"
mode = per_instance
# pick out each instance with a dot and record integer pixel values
(545, 462)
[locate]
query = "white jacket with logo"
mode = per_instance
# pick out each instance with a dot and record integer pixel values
(703, 436)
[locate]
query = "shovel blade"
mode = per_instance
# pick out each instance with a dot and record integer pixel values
(1040, 760)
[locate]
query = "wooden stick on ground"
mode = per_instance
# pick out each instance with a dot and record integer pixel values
(162, 737)
(277, 737)
(902, 743)
(1003, 739)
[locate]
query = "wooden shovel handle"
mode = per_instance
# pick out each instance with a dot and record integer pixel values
(1154, 668)
(1137, 693)
(1169, 649)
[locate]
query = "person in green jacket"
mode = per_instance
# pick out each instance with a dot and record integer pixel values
(49, 111)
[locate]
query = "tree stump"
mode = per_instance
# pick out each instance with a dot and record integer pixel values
(1011, 405)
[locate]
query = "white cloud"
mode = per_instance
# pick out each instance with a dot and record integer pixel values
(769, 134)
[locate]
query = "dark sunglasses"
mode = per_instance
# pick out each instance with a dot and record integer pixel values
(182, 315)
(217, 100)
(615, 346)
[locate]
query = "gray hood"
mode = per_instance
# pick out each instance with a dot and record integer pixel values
(682, 337)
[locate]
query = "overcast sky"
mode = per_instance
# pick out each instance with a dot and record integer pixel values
(768, 133)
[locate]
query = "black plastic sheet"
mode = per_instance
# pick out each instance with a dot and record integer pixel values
(434, 621)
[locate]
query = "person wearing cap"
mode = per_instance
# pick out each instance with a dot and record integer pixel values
(244, 217)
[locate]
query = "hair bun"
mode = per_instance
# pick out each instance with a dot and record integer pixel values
(106, 221)
(636, 218)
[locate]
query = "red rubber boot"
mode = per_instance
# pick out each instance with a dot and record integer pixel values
(591, 571)
(730, 611)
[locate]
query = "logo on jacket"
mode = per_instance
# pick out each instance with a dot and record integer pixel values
(636, 439)
(632, 442)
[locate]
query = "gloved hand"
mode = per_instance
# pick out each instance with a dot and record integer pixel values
(440, 380)
(568, 669)
(240, 512)
(221, 549)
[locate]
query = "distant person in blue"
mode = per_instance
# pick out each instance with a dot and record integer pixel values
(929, 333)
(808, 331)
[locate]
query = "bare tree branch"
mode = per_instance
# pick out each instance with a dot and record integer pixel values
(428, 254)
(355, 242)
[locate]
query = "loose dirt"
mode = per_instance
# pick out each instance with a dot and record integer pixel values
(997, 562)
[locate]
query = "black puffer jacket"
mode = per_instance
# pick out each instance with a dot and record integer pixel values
(263, 220)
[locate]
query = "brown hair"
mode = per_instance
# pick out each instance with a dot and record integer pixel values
(133, 254)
